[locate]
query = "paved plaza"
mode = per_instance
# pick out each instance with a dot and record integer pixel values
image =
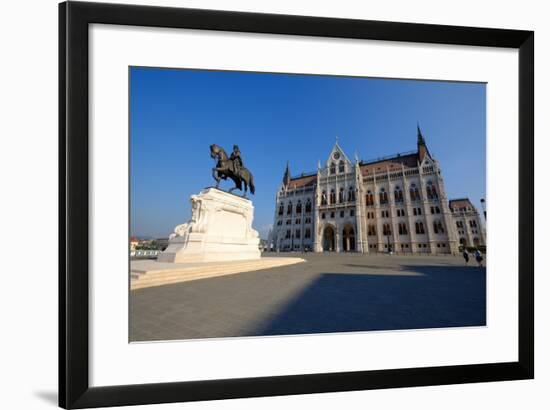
(327, 293)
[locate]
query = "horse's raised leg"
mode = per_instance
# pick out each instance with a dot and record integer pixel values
(216, 177)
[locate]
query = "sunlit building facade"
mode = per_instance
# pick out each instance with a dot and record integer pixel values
(395, 203)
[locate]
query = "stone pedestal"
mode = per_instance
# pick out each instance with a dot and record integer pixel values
(220, 229)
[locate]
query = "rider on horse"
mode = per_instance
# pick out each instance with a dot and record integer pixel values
(231, 167)
(236, 159)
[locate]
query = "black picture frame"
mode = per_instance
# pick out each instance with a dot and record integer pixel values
(74, 388)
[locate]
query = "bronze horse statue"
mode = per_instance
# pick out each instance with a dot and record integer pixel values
(229, 168)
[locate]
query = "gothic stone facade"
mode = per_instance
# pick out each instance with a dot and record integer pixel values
(396, 204)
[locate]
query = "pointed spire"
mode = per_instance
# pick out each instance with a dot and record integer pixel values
(356, 157)
(421, 144)
(420, 137)
(286, 177)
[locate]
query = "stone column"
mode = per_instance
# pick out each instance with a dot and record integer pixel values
(361, 241)
(393, 215)
(377, 217)
(428, 226)
(450, 227)
(317, 236)
(337, 238)
(409, 217)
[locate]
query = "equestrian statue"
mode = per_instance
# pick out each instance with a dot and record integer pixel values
(231, 167)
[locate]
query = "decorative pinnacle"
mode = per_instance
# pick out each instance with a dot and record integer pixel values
(419, 134)
(286, 177)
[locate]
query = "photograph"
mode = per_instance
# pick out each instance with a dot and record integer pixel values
(283, 204)
(279, 204)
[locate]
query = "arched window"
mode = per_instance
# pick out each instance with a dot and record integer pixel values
(372, 230)
(386, 230)
(332, 168)
(299, 207)
(332, 196)
(414, 193)
(281, 208)
(341, 167)
(308, 206)
(398, 194)
(341, 195)
(383, 196)
(369, 198)
(289, 208)
(431, 191)
(402, 229)
(351, 194)
(324, 198)
(419, 228)
(438, 227)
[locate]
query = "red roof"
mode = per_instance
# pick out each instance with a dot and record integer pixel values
(460, 203)
(393, 164)
(303, 181)
(367, 168)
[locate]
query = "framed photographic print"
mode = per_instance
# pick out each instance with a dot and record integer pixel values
(256, 204)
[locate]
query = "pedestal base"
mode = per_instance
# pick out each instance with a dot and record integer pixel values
(149, 273)
(220, 229)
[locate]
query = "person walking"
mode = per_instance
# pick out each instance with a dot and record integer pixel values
(479, 258)
(465, 256)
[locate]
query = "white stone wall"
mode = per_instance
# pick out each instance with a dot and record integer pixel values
(294, 221)
(469, 234)
(338, 175)
(356, 216)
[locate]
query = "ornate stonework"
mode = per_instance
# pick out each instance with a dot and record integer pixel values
(394, 204)
(220, 229)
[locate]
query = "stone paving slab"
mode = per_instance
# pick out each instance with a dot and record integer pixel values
(327, 293)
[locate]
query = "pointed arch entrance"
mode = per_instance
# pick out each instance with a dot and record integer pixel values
(328, 239)
(348, 239)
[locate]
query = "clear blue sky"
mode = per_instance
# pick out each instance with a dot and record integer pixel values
(176, 114)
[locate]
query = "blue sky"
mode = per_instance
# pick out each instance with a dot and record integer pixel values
(176, 114)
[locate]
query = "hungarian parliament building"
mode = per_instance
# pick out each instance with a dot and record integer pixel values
(393, 204)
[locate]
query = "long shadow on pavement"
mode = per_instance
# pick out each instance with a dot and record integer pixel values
(434, 297)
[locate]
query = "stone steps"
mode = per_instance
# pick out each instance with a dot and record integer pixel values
(148, 276)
